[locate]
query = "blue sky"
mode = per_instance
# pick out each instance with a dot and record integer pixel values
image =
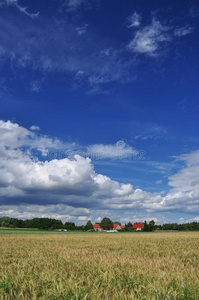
(99, 110)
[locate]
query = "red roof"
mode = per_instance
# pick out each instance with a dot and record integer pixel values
(138, 225)
(115, 225)
(96, 226)
(122, 226)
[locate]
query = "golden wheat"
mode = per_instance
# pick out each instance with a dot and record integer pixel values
(100, 266)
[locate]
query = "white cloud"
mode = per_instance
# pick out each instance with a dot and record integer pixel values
(118, 151)
(190, 159)
(83, 218)
(56, 211)
(158, 182)
(14, 136)
(182, 31)
(98, 220)
(149, 39)
(69, 181)
(187, 179)
(19, 7)
(134, 20)
(34, 127)
(26, 180)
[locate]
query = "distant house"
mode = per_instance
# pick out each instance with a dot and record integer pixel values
(116, 226)
(122, 226)
(97, 227)
(138, 226)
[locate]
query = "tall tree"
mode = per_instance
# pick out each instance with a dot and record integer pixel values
(151, 225)
(106, 223)
(89, 225)
(130, 225)
(145, 227)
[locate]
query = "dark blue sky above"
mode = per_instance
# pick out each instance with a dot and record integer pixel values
(115, 81)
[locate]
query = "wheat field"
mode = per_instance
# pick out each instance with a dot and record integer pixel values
(99, 266)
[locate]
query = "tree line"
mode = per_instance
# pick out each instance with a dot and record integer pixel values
(106, 223)
(40, 223)
(193, 226)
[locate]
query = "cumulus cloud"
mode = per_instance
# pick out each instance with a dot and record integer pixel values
(25, 176)
(19, 7)
(14, 136)
(56, 211)
(70, 181)
(25, 180)
(187, 179)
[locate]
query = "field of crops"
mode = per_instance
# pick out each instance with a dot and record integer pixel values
(99, 266)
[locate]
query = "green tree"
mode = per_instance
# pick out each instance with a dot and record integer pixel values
(69, 226)
(130, 225)
(45, 223)
(151, 225)
(145, 227)
(6, 222)
(89, 225)
(106, 224)
(175, 226)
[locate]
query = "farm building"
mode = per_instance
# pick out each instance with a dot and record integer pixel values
(122, 226)
(138, 225)
(97, 227)
(116, 226)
